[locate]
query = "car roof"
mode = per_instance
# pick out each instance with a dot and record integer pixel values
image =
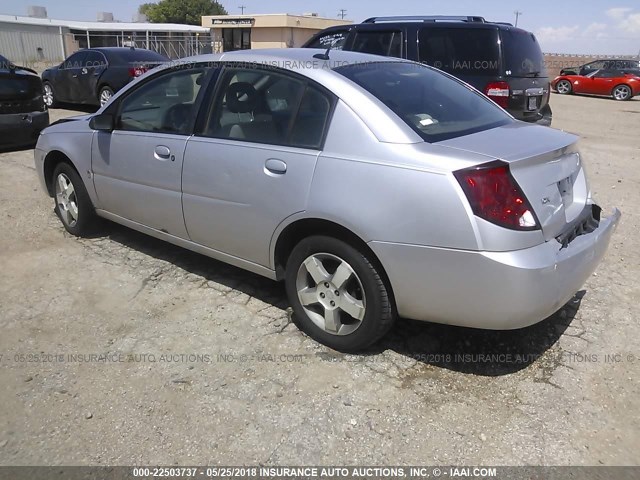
(439, 24)
(294, 59)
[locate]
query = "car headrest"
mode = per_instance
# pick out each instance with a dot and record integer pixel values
(242, 97)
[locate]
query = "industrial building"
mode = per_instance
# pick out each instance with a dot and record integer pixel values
(33, 39)
(240, 32)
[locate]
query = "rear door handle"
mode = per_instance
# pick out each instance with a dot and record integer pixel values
(275, 166)
(163, 153)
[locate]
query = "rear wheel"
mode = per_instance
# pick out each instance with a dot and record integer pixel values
(338, 295)
(564, 87)
(105, 95)
(72, 202)
(621, 92)
(48, 95)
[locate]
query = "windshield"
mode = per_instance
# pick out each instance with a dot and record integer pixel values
(522, 54)
(436, 106)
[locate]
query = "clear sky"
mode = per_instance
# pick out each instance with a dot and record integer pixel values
(567, 26)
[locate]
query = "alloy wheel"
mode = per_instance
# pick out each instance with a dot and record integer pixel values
(105, 96)
(563, 87)
(621, 92)
(66, 200)
(48, 95)
(331, 294)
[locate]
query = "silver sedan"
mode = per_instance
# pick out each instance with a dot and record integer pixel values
(372, 187)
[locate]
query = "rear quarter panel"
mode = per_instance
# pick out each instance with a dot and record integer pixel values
(387, 192)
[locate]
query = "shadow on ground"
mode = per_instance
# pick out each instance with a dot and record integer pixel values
(465, 350)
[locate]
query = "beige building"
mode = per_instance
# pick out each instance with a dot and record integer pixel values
(240, 32)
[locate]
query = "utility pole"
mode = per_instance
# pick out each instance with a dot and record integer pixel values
(242, 7)
(343, 13)
(517, 16)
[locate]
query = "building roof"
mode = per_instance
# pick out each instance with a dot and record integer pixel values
(103, 26)
(266, 20)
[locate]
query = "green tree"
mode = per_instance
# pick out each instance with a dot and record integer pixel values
(188, 12)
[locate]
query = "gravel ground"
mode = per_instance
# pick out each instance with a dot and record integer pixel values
(196, 362)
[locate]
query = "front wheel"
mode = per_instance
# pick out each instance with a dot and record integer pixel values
(105, 95)
(72, 202)
(621, 92)
(564, 87)
(338, 294)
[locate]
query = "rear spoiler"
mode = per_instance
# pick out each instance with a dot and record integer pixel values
(13, 68)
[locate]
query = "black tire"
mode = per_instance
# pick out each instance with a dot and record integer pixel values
(620, 97)
(106, 90)
(564, 91)
(379, 312)
(86, 219)
(52, 103)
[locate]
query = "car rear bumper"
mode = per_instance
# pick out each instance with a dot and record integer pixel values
(491, 290)
(22, 128)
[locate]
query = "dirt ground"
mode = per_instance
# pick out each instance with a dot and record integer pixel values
(121, 350)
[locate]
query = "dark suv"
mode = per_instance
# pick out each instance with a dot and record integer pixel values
(502, 61)
(23, 113)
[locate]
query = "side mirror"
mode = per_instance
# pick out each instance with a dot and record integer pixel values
(103, 122)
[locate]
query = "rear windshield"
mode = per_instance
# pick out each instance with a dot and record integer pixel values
(136, 56)
(4, 63)
(14, 86)
(461, 51)
(522, 54)
(436, 106)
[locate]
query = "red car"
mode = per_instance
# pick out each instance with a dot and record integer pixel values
(612, 83)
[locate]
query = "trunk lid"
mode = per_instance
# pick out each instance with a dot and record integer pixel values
(20, 92)
(546, 164)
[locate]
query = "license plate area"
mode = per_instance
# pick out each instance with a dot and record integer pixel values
(565, 187)
(532, 103)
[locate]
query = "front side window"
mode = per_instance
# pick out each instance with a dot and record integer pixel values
(164, 104)
(265, 106)
(388, 44)
(434, 105)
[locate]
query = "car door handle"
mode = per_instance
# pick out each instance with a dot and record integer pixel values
(163, 153)
(275, 166)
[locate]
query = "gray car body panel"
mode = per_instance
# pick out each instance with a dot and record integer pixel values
(375, 177)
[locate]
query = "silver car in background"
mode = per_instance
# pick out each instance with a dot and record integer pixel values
(373, 187)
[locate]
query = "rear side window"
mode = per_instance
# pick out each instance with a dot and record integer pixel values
(522, 54)
(95, 60)
(335, 40)
(388, 44)
(75, 61)
(265, 106)
(461, 51)
(434, 105)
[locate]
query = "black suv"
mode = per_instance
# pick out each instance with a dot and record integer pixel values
(23, 113)
(502, 61)
(623, 65)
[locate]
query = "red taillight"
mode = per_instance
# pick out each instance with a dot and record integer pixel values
(136, 72)
(495, 196)
(498, 92)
